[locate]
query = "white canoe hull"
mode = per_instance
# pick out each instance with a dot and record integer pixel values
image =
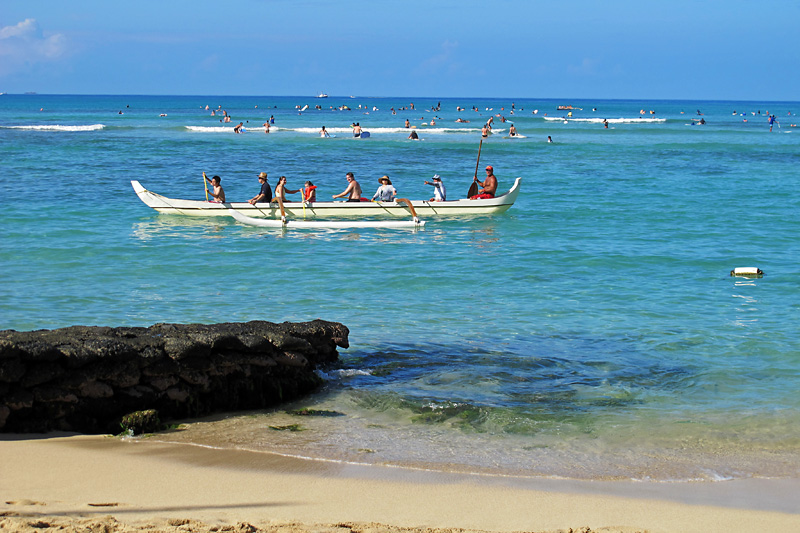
(332, 224)
(322, 210)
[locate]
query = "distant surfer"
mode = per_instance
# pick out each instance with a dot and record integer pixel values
(413, 135)
(772, 121)
(238, 128)
(357, 130)
(512, 131)
(323, 132)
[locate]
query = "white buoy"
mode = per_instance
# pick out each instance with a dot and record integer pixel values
(747, 271)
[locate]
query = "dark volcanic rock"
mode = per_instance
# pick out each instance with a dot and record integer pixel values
(87, 378)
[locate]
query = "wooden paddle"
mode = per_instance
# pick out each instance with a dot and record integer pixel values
(473, 189)
(283, 212)
(205, 185)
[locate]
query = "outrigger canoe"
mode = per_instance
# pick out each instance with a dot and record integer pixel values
(323, 210)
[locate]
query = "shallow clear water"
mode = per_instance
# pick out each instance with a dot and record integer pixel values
(591, 331)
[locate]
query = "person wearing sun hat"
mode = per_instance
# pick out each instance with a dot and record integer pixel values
(386, 192)
(489, 185)
(265, 194)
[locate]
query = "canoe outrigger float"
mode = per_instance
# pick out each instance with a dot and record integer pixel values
(415, 222)
(300, 211)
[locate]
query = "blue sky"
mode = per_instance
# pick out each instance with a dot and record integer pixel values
(726, 50)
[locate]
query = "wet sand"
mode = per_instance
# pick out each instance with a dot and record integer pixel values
(76, 481)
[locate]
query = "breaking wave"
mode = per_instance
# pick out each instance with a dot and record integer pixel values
(57, 127)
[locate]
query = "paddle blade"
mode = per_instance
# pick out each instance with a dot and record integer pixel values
(473, 189)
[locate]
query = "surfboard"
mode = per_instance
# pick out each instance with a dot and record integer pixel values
(364, 134)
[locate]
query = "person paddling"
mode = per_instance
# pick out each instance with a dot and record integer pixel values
(489, 185)
(353, 190)
(265, 194)
(217, 192)
(310, 192)
(281, 190)
(386, 192)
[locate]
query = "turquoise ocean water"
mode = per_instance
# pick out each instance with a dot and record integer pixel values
(592, 331)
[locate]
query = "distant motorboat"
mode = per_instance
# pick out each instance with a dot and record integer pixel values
(322, 95)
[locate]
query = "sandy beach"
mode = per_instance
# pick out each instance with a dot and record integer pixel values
(104, 483)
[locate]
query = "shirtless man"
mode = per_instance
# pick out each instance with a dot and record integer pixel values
(489, 185)
(217, 193)
(353, 190)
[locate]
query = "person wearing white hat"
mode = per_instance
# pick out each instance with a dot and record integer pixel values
(439, 191)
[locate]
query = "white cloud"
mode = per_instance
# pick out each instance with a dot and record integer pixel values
(25, 44)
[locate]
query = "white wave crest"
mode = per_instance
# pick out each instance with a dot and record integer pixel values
(347, 131)
(420, 129)
(229, 129)
(57, 127)
(620, 120)
(342, 373)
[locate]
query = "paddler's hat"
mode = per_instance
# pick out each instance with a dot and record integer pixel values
(490, 167)
(263, 175)
(437, 177)
(385, 179)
